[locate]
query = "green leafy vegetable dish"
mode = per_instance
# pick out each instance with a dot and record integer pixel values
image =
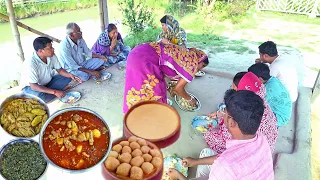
(22, 160)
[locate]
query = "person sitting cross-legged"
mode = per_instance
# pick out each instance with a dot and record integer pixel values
(40, 77)
(277, 94)
(76, 57)
(247, 156)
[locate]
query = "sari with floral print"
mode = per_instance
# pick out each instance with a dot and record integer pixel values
(147, 66)
(216, 137)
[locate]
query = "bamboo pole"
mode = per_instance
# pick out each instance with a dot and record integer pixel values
(6, 18)
(101, 14)
(105, 12)
(14, 29)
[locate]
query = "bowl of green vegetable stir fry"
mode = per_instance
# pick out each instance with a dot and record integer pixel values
(22, 159)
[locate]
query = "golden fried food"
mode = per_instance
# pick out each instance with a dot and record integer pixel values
(125, 157)
(126, 149)
(124, 143)
(134, 145)
(114, 154)
(117, 148)
(142, 142)
(147, 157)
(137, 161)
(23, 117)
(155, 153)
(136, 153)
(136, 173)
(112, 163)
(132, 139)
(145, 149)
(123, 169)
(156, 162)
(147, 167)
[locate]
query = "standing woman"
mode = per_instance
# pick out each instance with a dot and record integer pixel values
(172, 32)
(149, 63)
(111, 45)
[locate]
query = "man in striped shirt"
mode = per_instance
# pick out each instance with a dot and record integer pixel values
(247, 156)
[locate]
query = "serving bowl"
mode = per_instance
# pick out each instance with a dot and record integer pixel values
(20, 140)
(156, 175)
(94, 147)
(163, 126)
(182, 108)
(9, 99)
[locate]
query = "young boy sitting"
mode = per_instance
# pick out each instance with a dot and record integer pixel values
(248, 155)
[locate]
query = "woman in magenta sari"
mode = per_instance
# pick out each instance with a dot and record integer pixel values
(111, 45)
(216, 137)
(149, 63)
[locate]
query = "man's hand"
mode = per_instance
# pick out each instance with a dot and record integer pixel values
(189, 162)
(114, 41)
(59, 94)
(75, 78)
(174, 174)
(258, 60)
(95, 73)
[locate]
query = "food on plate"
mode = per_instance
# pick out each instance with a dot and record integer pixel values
(136, 153)
(133, 139)
(136, 173)
(137, 161)
(134, 145)
(155, 153)
(117, 148)
(147, 167)
(156, 162)
(124, 143)
(23, 117)
(112, 163)
(145, 149)
(142, 142)
(125, 158)
(123, 169)
(113, 154)
(126, 149)
(135, 164)
(76, 140)
(147, 157)
(23, 161)
(186, 105)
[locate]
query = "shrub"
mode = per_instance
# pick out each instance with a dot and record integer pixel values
(148, 35)
(136, 15)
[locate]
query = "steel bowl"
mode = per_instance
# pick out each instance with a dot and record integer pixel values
(67, 110)
(16, 141)
(18, 96)
(197, 100)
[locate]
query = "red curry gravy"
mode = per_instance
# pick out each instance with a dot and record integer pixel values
(76, 140)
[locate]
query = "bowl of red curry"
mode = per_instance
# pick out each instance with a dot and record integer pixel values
(75, 139)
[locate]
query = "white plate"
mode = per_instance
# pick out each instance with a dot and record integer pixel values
(103, 76)
(71, 97)
(197, 100)
(200, 74)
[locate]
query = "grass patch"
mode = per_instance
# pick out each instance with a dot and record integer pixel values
(238, 49)
(252, 52)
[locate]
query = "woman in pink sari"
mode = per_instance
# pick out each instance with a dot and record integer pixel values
(149, 63)
(216, 137)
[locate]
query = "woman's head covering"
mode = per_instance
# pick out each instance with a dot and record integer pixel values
(104, 39)
(163, 19)
(250, 82)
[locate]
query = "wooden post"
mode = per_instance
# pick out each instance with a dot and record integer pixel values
(105, 12)
(14, 29)
(101, 15)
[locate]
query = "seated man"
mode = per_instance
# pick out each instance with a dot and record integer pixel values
(39, 77)
(280, 67)
(277, 95)
(76, 57)
(248, 155)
